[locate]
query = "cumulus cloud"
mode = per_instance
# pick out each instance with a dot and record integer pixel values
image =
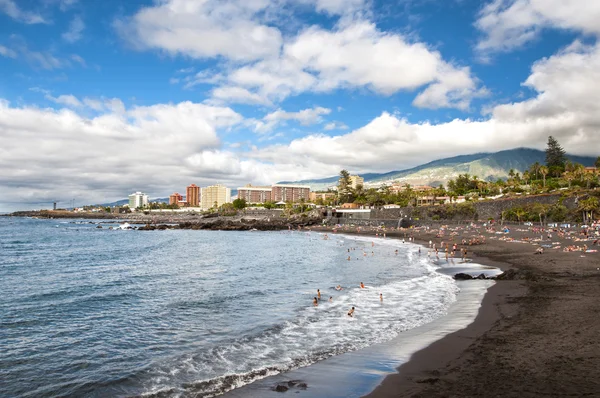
(75, 30)
(49, 154)
(203, 29)
(10, 8)
(509, 24)
(354, 56)
(305, 117)
(264, 66)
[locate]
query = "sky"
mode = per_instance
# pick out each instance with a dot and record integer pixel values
(99, 99)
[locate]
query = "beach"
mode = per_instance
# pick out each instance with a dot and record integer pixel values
(535, 335)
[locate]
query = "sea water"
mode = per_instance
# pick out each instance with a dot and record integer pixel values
(87, 311)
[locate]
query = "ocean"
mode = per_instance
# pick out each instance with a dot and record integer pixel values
(95, 312)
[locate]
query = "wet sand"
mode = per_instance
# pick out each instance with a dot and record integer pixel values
(534, 336)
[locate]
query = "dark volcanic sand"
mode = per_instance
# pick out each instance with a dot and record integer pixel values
(532, 338)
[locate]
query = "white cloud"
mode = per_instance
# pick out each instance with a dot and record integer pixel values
(305, 117)
(354, 56)
(337, 7)
(10, 8)
(335, 126)
(509, 24)
(264, 67)
(50, 155)
(7, 52)
(204, 29)
(76, 27)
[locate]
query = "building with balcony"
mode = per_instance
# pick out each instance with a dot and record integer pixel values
(175, 198)
(193, 195)
(252, 194)
(138, 199)
(215, 195)
(290, 193)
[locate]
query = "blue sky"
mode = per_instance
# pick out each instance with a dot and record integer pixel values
(99, 98)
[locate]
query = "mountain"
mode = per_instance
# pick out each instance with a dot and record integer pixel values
(487, 166)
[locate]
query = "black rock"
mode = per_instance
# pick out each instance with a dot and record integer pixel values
(281, 388)
(462, 277)
(481, 276)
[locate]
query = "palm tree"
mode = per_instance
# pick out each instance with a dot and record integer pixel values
(588, 206)
(544, 172)
(526, 176)
(535, 169)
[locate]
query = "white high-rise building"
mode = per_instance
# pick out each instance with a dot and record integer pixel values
(214, 194)
(138, 199)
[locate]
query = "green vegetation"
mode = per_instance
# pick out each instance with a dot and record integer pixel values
(239, 204)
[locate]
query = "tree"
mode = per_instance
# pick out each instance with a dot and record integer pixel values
(588, 207)
(544, 171)
(239, 204)
(555, 154)
(344, 186)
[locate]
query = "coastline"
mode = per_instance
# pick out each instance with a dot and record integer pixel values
(533, 335)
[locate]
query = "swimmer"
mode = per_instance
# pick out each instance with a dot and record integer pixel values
(396, 252)
(351, 312)
(319, 294)
(338, 287)
(348, 258)
(330, 299)
(315, 302)
(362, 285)
(381, 297)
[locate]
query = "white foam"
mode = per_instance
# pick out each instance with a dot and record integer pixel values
(316, 333)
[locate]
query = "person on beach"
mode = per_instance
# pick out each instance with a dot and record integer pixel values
(319, 294)
(362, 285)
(315, 302)
(351, 312)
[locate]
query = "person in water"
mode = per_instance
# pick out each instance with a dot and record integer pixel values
(362, 285)
(318, 294)
(380, 296)
(338, 287)
(330, 299)
(315, 302)
(351, 312)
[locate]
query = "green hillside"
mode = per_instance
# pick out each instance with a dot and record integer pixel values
(486, 166)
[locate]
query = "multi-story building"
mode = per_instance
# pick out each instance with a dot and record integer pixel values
(175, 199)
(254, 194)
(215, 194)
(313, 196)
(397, 188)
(290, 193)
(138, 199)
(192, 195)
(355, 181)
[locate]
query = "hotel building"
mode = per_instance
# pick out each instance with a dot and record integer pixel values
(290, 193)
(193, 195)
(254, 194)
(138, 199)
(355, 181)
(175, 199)
(218, 194)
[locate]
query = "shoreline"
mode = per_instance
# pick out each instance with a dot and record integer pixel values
(535, 333)
(357, 373)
